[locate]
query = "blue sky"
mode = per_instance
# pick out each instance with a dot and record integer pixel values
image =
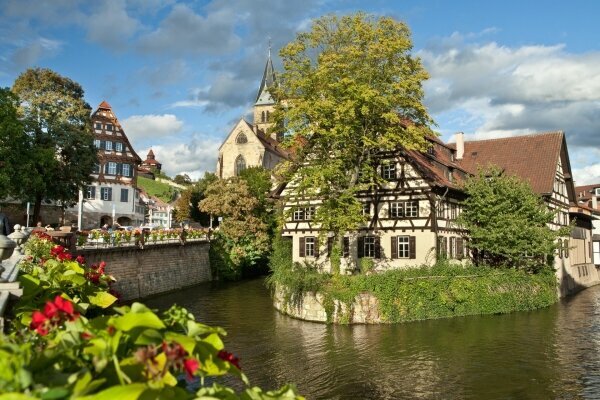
(179, 74)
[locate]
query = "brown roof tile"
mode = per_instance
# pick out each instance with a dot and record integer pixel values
(530, 157)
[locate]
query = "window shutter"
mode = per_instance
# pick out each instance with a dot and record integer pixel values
(412, 247)
(389, 210)
(302, 248)
(459, 248)
(377, 247)
(346, 251)
(329, 246)
(102, 145)
(560, 248)
(109, 194)
(445, 246)
(361, 247)
(394, 247)
(93, 194)
(119, 169)
(590, 248)
(316, 247)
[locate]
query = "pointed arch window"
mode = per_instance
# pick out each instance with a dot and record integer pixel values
(262, 117)
(268, 116)
(240, 165)
(241, 138)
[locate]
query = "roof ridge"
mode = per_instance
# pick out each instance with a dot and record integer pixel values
(557, 132)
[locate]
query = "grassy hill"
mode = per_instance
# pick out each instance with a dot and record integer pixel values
(161, 190)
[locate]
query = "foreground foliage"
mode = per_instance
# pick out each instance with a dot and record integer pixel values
(508, 222)
(58, 349)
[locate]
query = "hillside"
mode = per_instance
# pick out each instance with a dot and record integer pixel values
(161, 190)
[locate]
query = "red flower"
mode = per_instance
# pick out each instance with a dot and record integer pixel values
(86, 335)
(39, 322)
(230, 358)
(80, 259)
(190, 365)
(50, 310)
(65, 306)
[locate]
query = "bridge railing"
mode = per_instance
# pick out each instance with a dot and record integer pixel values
(138, 238)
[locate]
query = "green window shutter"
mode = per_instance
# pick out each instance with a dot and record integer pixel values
(329, 246)
(459, 248)
(412, 247)
(346, 250)
(93, 194)
(361, 247)
(317, 247)
(302, 248)
(394, 247)
(377, 247)
(109, 194)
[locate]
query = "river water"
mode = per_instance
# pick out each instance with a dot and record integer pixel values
(552, 353)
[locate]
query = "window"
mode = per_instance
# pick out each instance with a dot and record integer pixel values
(262, 117)
(126, 170)
(108, 145)
(106, 194)
(109, 127)
(388, 171)
(97, 143)
(452, 247)
(309, 247)
(369, 247)
(241, 138)
(90, 193)
(400, 209)
(366, 208)
(452, 211)
(403, 247)
(98, 125)
(111, 168)
(596, 252)
(96, 169)
(440, 210)
(442, 246)
(240, 165)
(430, 150)
(124, 195)
(118, 146)
(411, 209)
(597, 191)
(268, 116)
(303, 213)
(280, 136)
(396, 210)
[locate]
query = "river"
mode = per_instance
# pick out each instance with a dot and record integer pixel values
(552, 353)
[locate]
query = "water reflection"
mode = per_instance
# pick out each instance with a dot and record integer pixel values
(550, 353)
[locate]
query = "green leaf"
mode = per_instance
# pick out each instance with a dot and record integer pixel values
(102, 299)
(187, 342)
(15, 396)
(149, 336)
(126, 392)
(130, 321)
(55, 393)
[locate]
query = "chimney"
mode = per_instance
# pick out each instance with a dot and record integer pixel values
(460, 145)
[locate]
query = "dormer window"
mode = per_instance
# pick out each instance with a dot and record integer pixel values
(430, 150)
(597, 191)
(241, 138)
(109, 127)
(388, 171)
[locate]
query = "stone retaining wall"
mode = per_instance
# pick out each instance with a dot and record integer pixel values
(311, 306)
(156, 269)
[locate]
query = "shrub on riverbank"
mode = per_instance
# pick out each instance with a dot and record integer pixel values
(440, 291)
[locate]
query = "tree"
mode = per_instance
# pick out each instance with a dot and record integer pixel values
(242, 235)
(13, 144)
(507, 222)
(182, 179)
(350, 89)
(187, 205)
(61, 154)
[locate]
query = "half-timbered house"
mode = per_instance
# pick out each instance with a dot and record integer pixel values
(412, 217)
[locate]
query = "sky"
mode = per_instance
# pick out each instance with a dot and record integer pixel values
(179, 74)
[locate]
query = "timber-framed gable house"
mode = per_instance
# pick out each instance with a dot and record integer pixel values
(412, 217)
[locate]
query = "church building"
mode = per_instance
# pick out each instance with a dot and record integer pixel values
(249, 144)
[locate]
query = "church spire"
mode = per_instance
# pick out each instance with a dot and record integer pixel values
(268, 80)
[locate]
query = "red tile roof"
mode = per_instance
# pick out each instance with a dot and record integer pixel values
(530, 157)
(105, 105)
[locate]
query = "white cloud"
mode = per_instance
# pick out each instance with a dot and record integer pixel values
(139, 127)
(30, 53)
(110, 25)
(587, 175)
(193, 157)
(502, 91)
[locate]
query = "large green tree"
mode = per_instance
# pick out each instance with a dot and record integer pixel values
(350, 89)
(186, 207)
(61, 154)
(508, 223)
(13, 144)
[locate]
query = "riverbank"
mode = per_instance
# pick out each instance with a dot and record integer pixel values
(394, 296)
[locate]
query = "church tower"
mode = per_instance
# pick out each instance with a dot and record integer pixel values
(265, 104)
